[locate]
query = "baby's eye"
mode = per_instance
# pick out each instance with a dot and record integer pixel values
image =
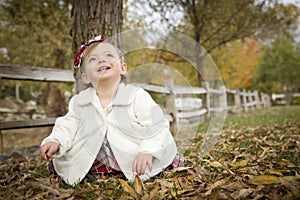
(92, 59)
(110, 55)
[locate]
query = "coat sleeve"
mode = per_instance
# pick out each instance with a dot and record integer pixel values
(64, 129)
(149, 114)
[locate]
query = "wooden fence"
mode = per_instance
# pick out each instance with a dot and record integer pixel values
(198, 103)
(280, 99)
(182, 104)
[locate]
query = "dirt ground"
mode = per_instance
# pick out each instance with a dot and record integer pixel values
(23, 137)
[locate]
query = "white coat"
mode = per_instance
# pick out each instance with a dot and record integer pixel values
(134, 123)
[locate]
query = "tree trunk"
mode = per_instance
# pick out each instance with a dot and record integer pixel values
(91, 18)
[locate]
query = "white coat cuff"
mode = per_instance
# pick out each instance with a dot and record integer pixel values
(150, 148)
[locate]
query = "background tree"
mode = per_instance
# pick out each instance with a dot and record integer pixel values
(216, 23)
(91, 18)
(279, 68)
(36, 33)
(238, 61)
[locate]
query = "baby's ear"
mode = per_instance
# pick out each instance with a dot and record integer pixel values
(124, 69)
(85, 78)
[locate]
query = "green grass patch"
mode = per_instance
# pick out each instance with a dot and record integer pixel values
(260, 117)
(264, 117)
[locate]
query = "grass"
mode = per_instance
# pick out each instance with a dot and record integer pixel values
(264, 117)
(260, 117)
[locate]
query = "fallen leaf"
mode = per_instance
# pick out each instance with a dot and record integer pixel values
(263, 155)
(127, 188)
(162, 192)
(289, 183)
(243, 193)
(215, 185)
(239, 164)
(216, 164)
(138, 185)
(295, 194)
(264, 179)
(166, 184)
(153, 193)
(180, 169)
(286, 163)
(109, 192)
(277, 172)
(288, 144)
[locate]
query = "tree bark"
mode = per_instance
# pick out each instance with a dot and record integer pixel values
(91, 18)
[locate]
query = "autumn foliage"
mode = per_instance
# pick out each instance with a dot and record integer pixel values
(248, 162)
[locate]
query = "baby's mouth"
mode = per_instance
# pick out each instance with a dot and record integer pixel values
(103, 68)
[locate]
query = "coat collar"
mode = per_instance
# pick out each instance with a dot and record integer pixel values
(123, 97)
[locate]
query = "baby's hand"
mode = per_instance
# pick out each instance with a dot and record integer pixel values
(48, 149)
(140, 162)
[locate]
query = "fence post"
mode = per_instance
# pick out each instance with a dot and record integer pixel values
(223, 99)
(170, 106)
(257, 100)
(237, 101)
(244, 93)
(206, 99)
(266, 100)
(252, 100)
(1, 142)
(269, 101)
(17, 90)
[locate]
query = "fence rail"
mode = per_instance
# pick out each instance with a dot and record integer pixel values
(242, 100)
(183, 104)
(280, 99)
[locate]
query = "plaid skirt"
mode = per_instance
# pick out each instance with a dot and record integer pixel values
(99, 167)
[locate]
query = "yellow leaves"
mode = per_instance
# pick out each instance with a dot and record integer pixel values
(278, 172)
(127, 188)
(216, 164)
(269, 179)
(240, 164)
(168, 188)
(266, 168)
(180, 169)
(138, 185)
(264, 179)
(238, 62)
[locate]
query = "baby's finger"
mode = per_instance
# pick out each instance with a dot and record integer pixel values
(50, 152)
(139, 167)
(43, 152)
(134, 166)
(143, 166)
(150, 165)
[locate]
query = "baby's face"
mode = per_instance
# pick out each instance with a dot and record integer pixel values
(103, 63)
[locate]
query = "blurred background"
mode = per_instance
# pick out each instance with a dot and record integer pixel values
(254, 44)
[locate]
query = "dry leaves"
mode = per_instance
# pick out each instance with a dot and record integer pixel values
(246, 163)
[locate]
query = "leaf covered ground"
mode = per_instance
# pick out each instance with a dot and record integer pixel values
(249, 161)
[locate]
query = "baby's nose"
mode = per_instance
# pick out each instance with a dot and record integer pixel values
(101, 59)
